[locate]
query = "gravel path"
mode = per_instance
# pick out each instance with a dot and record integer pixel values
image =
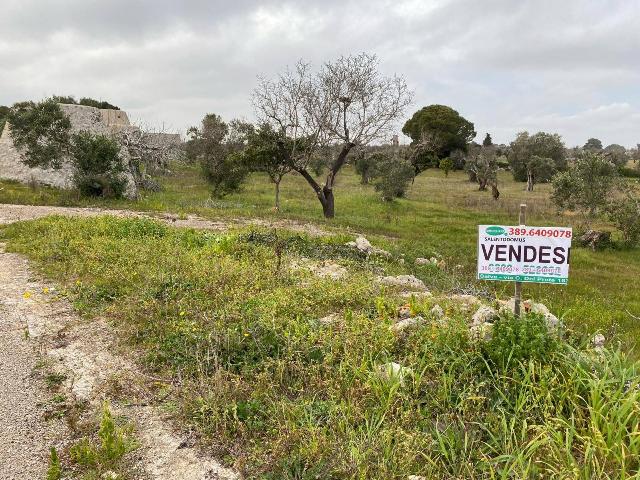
(14, 213)
(31, 317)
(25, 434)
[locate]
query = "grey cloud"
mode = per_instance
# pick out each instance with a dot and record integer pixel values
(540, 65)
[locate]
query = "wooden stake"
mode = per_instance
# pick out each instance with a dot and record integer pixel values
(518, 294)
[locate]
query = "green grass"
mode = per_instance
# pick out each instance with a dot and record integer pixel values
(283, 396)
(439, 217)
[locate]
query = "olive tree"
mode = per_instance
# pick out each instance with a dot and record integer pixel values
(482, 166)
(347, 103)
(535, 158)
(587, 186)
(617, 154)
(217, 147)
(41, 131)
(268, 151)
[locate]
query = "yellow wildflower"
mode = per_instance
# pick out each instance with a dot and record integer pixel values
(26, 295)
(45, 290)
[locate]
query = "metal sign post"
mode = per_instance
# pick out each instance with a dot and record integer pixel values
(518, 292)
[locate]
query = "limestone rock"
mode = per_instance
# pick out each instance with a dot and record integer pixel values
(484, 314)
(482, 331)
(598, 341)
(407, 323)
(530, 306)
(595, 239)
(423, 261)
(416, 295)
(324, 269)
(437, 311)
(405, 281)
(404, 311)
(362, 244)
(467, 302)
(331, 319)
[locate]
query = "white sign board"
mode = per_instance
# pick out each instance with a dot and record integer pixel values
(524, 254)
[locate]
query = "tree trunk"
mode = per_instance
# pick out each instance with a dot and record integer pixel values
(494, 191)
(325, 192)
(277, 195)
(483, 184)
(530, 182)
(327, 201)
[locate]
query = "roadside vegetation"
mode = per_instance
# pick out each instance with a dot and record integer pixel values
(281, 392)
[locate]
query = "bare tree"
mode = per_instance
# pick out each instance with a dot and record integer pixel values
(346, 103)
(149, 150)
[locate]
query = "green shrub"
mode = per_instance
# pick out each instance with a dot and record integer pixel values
(391, 176)
(625, 214)
(114, 443)
(446, 165)
(630, 172)
(98, 168)
(520, 339)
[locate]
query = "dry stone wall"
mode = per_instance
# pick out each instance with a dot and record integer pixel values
(104, 122)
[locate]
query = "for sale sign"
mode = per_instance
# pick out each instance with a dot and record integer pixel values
(524, 254)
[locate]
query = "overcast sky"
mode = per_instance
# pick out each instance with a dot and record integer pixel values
(566, 66)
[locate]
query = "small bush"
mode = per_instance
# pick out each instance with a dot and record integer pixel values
(625, 214)
(392, 176)
(114, 443)
(520, 339)
(446, 165)
(98, 169)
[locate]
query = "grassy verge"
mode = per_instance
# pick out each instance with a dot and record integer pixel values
(283, 395)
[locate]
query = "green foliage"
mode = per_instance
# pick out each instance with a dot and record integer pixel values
(391, 174)
(98, 169)
(451, 130)
(288, 396)
(86, 101)
(487, 142)
(105, 455)
(217, 146)
(270, 151)
(446, 165)
(593, 145)
(481, 166)
(542, 145)
(54, 472)
(624, 212)
(617, 155)
(520, 339)
(630, 172)
(364, 165)
(41, 132)
(587, 186)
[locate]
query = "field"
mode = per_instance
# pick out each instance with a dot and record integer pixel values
(283, 374)
(438, 218)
